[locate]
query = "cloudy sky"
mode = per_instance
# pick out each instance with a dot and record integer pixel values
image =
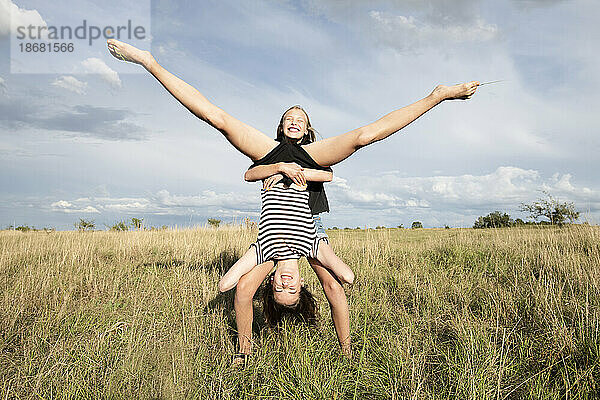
(98, 139)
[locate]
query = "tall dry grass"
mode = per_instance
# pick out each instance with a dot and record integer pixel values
(460, 313)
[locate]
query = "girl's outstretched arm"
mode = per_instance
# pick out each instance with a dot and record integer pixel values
(237, 270)
(332, 150)
(248, 140)
(244, 292)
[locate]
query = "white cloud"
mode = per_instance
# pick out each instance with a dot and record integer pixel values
(388, 199)
(409, 24)
(95, 65)
(165, 203)
(375, 199)
(70, 83)
(11, 151)
(136, 206)
(392, 198)
(562, 183)
(505, 188)
(2, 85)
(532, 4)
(408, 33)
(67, 207)
(12, 16)
(208, 198)
(170, 48)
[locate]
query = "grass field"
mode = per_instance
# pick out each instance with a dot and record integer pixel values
(456, 313)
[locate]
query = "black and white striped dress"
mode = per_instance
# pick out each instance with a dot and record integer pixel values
(286, 229)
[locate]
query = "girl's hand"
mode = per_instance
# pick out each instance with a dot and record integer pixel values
(272, 180)
(294, 172)
(127, 52)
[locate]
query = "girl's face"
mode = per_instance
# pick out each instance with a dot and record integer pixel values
(287, 282)
(295, 124)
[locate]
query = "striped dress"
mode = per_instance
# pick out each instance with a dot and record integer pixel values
(286, 229)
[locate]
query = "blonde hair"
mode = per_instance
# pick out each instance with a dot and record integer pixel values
(309, 136)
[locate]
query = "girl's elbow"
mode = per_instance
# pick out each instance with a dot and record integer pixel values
(329, 177)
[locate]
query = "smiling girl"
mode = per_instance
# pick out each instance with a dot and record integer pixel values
(256, 145)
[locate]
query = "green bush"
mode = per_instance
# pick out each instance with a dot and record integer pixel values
(85, 224)
(214, 222)
(494, 219)
(137, 223)
(120, 226)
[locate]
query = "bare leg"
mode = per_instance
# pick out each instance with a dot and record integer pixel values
(255, 144)
(244, 293)
(237, 270)
(338, 304)
(332, 150)
(331, 261)
(248, 140)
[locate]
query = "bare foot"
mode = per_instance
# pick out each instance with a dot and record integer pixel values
(347, 351)
(127, 52)
(462, 91)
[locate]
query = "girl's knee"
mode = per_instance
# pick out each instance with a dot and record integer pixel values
(364, 138)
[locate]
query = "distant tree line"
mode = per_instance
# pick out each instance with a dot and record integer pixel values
(27, 228)
(119, 226)
(544, 211)
(496, 219)
(554, 212)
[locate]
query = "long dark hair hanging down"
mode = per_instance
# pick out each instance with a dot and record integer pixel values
(305, 311)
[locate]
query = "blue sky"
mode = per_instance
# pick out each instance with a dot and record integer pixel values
(102, 140)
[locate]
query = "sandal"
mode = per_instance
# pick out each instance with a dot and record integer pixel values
(240, 359)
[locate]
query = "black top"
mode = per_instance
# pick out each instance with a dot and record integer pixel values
(286, 151)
